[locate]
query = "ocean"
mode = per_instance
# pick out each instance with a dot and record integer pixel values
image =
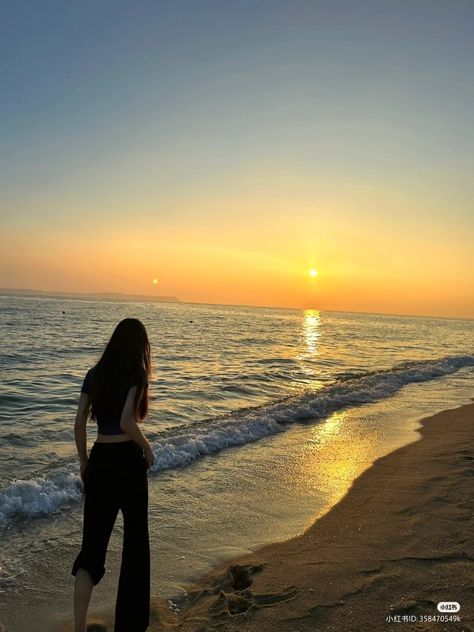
(260, 420)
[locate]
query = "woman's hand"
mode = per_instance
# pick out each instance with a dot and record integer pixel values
(149, 456)
(83, 469)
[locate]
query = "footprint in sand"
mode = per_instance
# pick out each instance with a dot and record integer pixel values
(237, 603)
(235, 596)
(231, 603)
(270, 599)
(241, 576)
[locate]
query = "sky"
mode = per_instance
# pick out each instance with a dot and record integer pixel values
(224, 149)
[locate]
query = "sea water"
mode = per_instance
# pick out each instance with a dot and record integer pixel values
(260, 420)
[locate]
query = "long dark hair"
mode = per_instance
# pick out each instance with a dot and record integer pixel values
(126, 360)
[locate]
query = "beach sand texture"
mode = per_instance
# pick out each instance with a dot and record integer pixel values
(399, 542)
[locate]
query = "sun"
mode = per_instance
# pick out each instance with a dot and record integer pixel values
(313, 273)
(155, 281)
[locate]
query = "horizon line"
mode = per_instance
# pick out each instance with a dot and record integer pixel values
(175, 299)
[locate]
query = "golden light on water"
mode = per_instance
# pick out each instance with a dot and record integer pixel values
(333, 461)
(311, 333)
(336, 452)
(310, 339)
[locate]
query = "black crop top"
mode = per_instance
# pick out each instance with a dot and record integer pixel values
(109, 423)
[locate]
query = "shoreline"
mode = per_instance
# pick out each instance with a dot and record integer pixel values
(400, 541)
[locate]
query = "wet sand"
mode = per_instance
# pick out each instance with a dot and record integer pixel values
(399, 542)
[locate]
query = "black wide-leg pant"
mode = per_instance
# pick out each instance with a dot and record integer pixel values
(116, 478)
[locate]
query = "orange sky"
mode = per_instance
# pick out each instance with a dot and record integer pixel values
(228, 149)
(257, 249)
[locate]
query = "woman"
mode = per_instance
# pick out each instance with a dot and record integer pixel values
(115, 394)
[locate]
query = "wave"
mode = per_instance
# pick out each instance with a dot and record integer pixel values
(178, 447)
(42, 495)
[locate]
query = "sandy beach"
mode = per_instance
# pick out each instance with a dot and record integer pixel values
(398, 543)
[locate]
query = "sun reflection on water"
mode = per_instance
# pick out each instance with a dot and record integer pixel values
(311, 321)
(334, 455)
(309, 348)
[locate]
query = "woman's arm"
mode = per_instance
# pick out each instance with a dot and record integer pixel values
(128, 424)
(80, 429)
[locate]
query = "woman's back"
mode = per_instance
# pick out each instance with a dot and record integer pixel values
(114, 393)
(107, 409)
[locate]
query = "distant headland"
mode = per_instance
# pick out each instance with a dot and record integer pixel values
(96, 296)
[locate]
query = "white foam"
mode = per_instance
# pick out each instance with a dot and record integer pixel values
(252, 424)
(181, 446)
(41, 495)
